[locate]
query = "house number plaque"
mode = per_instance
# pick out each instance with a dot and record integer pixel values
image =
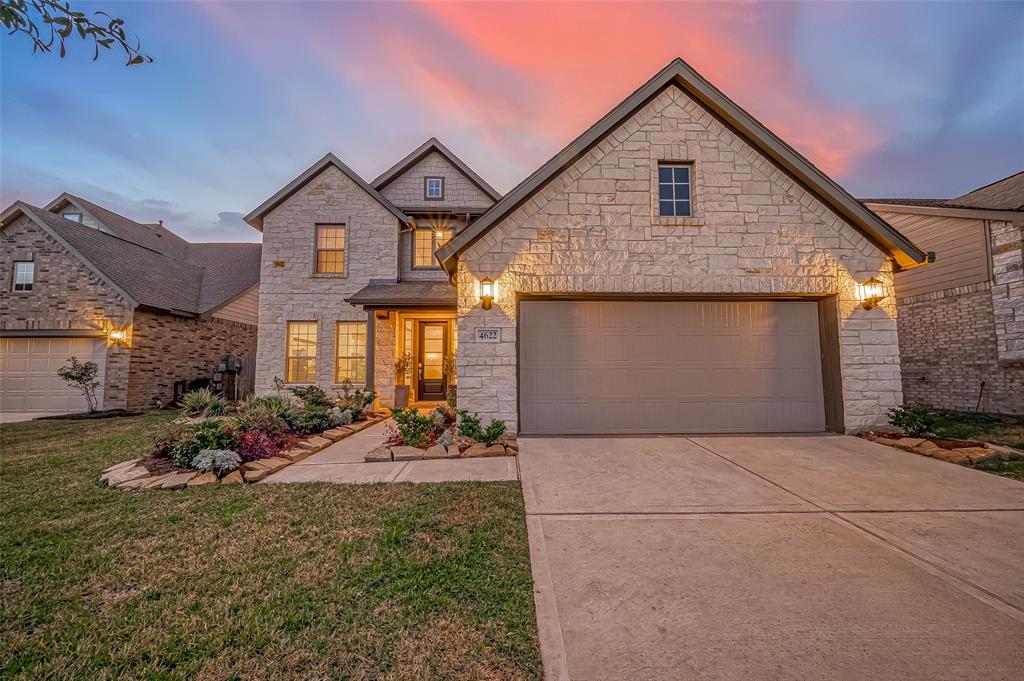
(488, 335)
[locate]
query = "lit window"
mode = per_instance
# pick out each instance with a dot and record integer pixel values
(74, 217)
(674, 190)
(300, 358)
(350, 352)
(433, 188)
(427, 243)
(24, 275)
(330, 249)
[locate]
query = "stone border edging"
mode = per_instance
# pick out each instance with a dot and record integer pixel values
(963, 456)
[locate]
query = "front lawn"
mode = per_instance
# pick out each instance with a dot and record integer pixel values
(1004, 430)
(303, 581)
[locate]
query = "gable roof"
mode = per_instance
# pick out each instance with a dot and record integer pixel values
(1004, 194)
(209, 275)
(255, 218)
(154, 236)
(679, 73)
(433, 145)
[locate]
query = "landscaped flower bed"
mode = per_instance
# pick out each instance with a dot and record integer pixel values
(444, 433)
(215, 443)
(963, 452)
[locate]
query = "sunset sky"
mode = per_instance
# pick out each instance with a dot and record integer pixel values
(892, 99)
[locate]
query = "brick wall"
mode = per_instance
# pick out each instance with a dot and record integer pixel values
(66, 295)
(1008, 288)
(407, 189)
(948, 347)
(166, 348)
(594, 228)
(294, 292)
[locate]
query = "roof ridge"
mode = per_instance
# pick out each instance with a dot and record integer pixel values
(986, 186)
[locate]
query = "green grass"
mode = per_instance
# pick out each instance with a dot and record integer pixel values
(308, 581)
(968, 426)
(1008, 469)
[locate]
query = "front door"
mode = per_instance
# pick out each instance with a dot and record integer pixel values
(430, 363)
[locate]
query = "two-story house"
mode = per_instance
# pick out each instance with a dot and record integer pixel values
(676, 268)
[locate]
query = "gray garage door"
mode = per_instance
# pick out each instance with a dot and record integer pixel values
(593, 367)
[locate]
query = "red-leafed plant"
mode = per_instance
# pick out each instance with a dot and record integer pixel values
(258, 444)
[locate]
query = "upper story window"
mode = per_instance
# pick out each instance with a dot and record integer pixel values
(330, 249)
(74, 217)
(427, 243)
(674, 189)
(433, 188)
(300, 352)
(24, 276)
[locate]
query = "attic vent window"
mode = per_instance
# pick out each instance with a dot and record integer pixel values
(433, 188)
(74, 217)
(673, 190)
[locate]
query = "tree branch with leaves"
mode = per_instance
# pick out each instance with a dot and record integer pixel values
(34, 17)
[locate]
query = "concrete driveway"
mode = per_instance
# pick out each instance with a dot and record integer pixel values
(753, 558)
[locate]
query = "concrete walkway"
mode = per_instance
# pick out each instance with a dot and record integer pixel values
(343, 462)
(749, 558)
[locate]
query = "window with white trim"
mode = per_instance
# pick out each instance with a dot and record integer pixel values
(433, 188)
(330, 249)
(24, 276)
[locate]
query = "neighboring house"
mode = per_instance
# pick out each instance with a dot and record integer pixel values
(676, 268)
(150, 308)
(961, 320)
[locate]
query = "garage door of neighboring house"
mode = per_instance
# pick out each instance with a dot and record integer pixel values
(28, 373)
(605, 367)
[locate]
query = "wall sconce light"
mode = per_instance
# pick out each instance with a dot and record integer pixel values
(870, 292)
(486, 293)
(117, 335)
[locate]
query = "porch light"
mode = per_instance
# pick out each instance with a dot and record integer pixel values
(486, 293)
(870, 292)
(117, 335)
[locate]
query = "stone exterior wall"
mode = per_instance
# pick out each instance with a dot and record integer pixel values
(406, 191)
(66, 295)
(594, 229)
(948, 348)
(406, 244)
(166, 348)
(1008, 288)
(290, 290)
(384, 360)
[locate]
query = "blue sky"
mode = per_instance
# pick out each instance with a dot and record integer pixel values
(892, 99)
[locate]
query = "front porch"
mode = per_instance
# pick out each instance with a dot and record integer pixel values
(414, 322)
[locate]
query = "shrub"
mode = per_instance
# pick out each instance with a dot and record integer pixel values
(312, 397)
(168, 436)
(203, 435)
(355, 401)
(494, 430)
(203, 402)
(414, 428)
(82, 375)
(340, 417)
(258, 444)
(308, 421)
(260, 413)
(216, 460)
(915, 421)
(403, 367)
(469, 425)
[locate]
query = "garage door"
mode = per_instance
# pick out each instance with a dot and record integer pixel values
(28, 373)
(593, 367)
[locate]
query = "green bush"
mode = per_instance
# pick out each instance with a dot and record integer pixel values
(268, 414)
(494, 430)
(312, 397)
(469, 425)
(915, 421)
(203, 402)
(209, 434)
(307, 421)
(355, 401)
(413, 427)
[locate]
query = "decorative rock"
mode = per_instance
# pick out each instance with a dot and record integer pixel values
(156, 481)
(252, 466)
(315, 443)
(133, 484)
(356, 426)
(202, 479)
(452, 452)
(118, 466)
(274, 464)
(232, 478)
(406, 453)
(977, 454)
(949, 455)
(908, 444)
(122, 475)
(382, 453)
(1006, 453)
(335, 434)
(886, 441)
(480, 450)
(926, 448)
(436, 452)
(296, 454)
(177, 480)
(256, 475)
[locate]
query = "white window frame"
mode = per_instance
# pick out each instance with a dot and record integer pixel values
(18, 283)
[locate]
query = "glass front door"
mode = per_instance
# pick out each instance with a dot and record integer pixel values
(430, 363)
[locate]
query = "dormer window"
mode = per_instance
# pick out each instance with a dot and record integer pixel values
(433, 188)
(74, 217)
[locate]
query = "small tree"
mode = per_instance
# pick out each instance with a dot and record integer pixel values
(82, 375)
